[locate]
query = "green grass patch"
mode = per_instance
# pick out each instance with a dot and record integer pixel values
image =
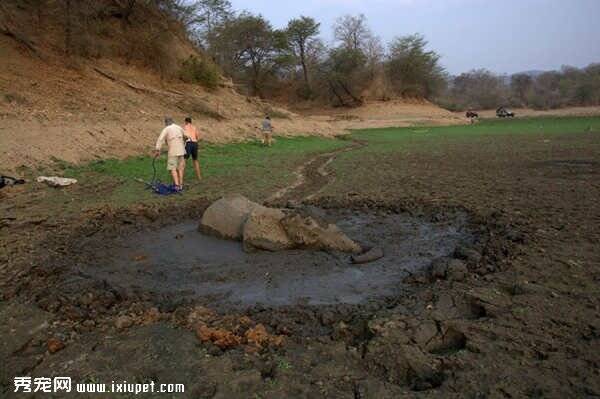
(389, 138)
(248, 168)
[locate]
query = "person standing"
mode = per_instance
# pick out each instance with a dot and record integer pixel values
(173, 135)
(267, 129)
(191, 145)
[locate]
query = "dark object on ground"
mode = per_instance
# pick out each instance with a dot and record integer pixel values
(157, 186)
(472, 114)
(371, 255)
(10, 181)
(504, 113)
(165, 189)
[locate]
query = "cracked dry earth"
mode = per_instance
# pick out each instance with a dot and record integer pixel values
(511, 312)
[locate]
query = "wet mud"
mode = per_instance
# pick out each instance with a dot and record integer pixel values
(181, 261)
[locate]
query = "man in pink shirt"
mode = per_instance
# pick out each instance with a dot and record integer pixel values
(173, 135)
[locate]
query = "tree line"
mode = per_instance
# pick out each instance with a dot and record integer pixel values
(482, 89)
(294, 62)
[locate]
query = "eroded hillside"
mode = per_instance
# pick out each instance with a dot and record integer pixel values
(103, 92)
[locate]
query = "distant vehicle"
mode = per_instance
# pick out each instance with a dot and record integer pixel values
(504, 113)
(472, 114)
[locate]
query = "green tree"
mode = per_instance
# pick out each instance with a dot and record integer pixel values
(346, 74)
(249, 48)
(413, 70)
(301, 32)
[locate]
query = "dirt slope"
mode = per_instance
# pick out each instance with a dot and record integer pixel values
(110, 99)
(108, 110)
(105, 109)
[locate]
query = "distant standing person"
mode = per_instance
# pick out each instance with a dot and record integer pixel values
(191, 145)
(173, 135)
(267, 129)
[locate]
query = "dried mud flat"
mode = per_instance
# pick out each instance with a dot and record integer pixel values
(120, 290)
(490, 316)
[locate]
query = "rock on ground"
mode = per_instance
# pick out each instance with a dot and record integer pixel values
(226, 217)
(123, 322)
(457, 270)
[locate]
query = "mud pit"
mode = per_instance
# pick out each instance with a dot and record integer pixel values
(179, 261)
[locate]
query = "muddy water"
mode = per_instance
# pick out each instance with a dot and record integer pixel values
(180, 261)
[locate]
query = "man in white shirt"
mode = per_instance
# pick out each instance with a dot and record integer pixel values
(267, 129)
(173, 135)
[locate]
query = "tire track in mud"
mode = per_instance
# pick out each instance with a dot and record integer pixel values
(312, 176)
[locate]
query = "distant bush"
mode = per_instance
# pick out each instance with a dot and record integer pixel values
(481, 89)
(200, 71)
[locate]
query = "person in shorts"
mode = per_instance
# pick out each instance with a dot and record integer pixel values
(267, 129)
(191, 145)
(173, 135)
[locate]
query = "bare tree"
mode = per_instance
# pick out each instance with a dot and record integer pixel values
(521, 84)
(375, 53)
(212, 13)
(352, 31)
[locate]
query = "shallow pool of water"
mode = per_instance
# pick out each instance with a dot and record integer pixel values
(181, 261)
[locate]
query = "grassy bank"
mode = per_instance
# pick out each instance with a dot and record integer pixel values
(408, 160)
(248, 168)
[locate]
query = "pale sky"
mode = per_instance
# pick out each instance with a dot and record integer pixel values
(504, 36)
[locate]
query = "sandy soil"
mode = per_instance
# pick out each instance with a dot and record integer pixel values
(394, 113)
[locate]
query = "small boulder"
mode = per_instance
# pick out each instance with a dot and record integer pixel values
(263, 230)
(226, 217)
(425, 332)
(470, 255)
(457, 270)
(403, 364)
(123, 322)
(55, 345)
(307, 232)
(439, 267)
